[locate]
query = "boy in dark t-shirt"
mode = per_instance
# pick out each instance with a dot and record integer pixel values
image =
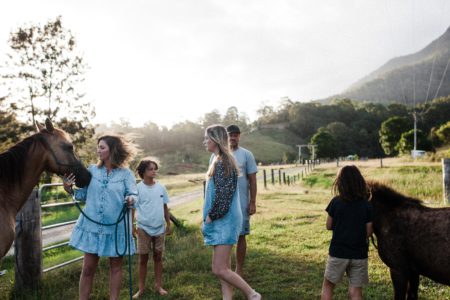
(350, 218)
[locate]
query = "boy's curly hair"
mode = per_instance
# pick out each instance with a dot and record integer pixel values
(143, 165)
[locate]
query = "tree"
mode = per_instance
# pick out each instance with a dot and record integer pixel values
(444, 133)
(344, 138)
(11, 130)
(211, 118)
(326, 144)
(391, 131)
(43, 74)
(232, 116)
(406, 142)
(265, 114)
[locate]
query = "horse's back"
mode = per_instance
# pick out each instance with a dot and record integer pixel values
(421, 243)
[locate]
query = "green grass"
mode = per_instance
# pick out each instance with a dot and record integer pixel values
(287, 248)
(268, 148)
(57, 215)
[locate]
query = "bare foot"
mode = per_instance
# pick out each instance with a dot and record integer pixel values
(161, 291)
(138, 295)
(255, 296)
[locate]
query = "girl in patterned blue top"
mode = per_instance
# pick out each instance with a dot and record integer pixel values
(111, 184)
(222, 216)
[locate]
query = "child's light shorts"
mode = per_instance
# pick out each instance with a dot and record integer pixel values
(356, 269)
(145, 242)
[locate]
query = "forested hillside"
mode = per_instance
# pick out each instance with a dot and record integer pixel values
(339, 129)
(409, 79)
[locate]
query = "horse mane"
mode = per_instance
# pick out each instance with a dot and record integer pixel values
(13, 161)
(387, 196)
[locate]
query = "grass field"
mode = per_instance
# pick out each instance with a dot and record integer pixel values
(287, 248)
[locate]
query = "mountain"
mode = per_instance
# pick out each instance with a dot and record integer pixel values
(407, 78)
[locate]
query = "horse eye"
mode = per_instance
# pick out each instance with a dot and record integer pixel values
(69, 147)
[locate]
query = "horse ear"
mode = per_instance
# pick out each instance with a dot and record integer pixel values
(39, 127)
(49, 125)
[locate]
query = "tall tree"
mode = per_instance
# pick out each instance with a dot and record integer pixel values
(326, 144)
(232, 116)
(406, 142)
(43, 73)
(391, 131)
(10, 128)
(213, 117)
(444, 133)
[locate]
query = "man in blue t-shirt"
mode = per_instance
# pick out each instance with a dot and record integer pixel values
(247, 190)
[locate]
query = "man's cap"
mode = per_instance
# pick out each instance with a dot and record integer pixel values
(233, 129)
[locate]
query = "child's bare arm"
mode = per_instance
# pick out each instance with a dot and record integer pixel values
(329, 223)
(369, 229)
(167, 218)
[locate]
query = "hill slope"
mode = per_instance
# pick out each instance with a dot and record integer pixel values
(406, 79)
(270, 145)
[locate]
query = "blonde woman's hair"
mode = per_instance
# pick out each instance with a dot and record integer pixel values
(120, 150)
(218, 135)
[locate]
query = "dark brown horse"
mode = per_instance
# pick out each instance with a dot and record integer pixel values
(21, 166)
(413, 239)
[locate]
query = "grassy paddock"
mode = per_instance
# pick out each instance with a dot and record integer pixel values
(287, 248)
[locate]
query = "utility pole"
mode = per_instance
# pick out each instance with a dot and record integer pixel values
(415, 132)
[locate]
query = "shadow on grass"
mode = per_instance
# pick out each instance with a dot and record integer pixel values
(187, 275)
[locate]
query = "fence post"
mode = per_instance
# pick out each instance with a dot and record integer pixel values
(381, 162)
(279, 176)
(284, 178)
(446, 179)
(265, 181)
(337, 162)
(28, 245)
(273, 176)
(288, 180)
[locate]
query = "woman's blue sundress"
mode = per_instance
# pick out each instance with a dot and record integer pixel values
(223, 231)
(104, 198)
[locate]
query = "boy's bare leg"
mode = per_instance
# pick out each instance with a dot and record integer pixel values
(355, 293)
(327, 289)
(158, 269)
(241, 251)
(143, 261)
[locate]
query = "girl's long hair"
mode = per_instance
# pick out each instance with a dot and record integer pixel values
(120, 150)
(218, 134)
(350, 185)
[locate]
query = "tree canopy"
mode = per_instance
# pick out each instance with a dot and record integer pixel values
(43, 74)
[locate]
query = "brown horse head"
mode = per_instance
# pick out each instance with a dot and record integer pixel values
(59, 155)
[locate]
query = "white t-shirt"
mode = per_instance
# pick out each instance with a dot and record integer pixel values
(150, 208)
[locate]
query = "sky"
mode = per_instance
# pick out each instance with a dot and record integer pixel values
(169, 61)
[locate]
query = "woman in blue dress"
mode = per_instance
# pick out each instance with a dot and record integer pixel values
(111, 184)
(222, 216)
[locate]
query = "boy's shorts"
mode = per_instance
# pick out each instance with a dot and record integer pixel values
(145, 242)
(356, 269)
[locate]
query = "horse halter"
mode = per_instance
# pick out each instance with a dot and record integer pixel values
(73, 166)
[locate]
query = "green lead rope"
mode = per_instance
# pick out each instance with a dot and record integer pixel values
(123, 216)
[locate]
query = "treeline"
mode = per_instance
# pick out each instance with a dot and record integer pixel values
(345, 127)
(338, 129)
(180, 149)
